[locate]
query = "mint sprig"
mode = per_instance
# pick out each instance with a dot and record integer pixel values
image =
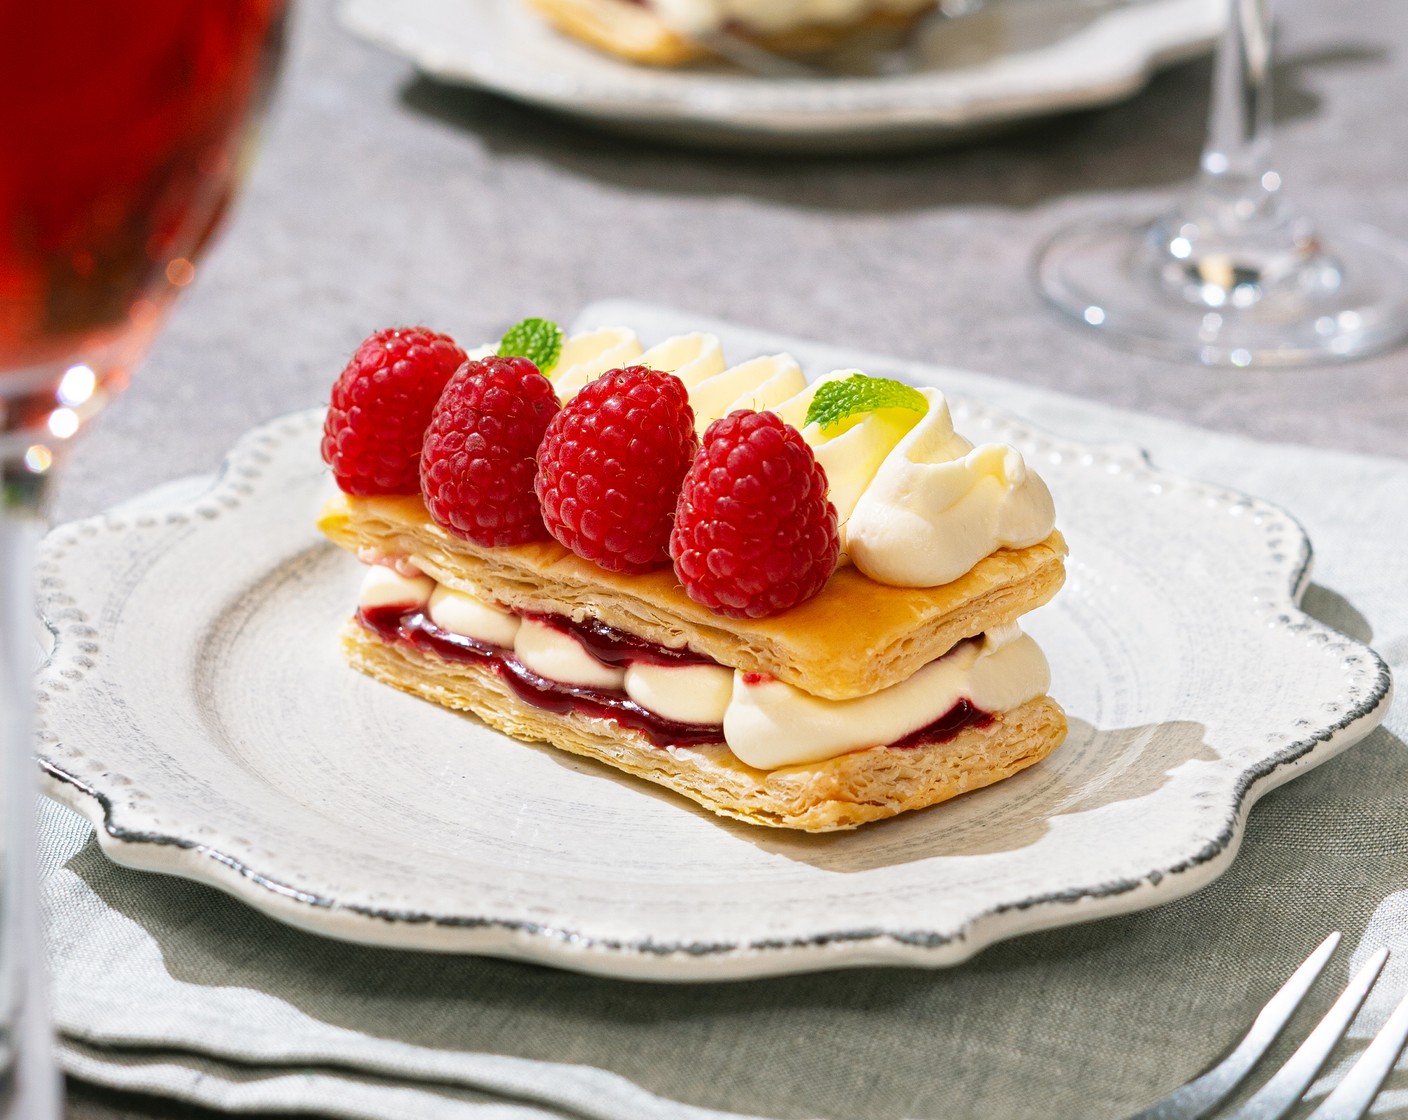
(538, 340)
(837, 401)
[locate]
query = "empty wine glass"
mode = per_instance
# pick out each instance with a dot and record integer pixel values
(125, 132)
(1234, 274)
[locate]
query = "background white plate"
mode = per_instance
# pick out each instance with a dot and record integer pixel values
(196, 708)
(1007, 61)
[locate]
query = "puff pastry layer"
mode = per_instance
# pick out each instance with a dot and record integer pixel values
(856, 637)
(840, 793)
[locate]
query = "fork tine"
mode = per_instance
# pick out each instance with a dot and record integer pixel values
(1353, 1096)
(1279, 1095)
(1201, 1096)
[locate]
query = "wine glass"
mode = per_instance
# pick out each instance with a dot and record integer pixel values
(1234, 274)
(126, 128)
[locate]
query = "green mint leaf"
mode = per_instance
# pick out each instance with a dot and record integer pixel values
(837, 401)
(538, 340)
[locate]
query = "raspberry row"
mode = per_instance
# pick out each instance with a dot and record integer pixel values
(616, 475)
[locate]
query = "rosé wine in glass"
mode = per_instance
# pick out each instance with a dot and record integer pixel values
(125, 127)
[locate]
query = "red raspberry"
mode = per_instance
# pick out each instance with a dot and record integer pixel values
(380, 406)
(610, 466)
(476, 469)
(754, 532)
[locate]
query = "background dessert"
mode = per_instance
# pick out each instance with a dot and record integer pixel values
(674, 32)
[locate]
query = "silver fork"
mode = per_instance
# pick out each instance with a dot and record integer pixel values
(1351, 1098)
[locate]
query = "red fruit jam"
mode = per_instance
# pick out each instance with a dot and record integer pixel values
(396, 624)
(611, 647)
(617, 647)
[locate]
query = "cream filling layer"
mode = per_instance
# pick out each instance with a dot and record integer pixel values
(770, 724)
(766, 723)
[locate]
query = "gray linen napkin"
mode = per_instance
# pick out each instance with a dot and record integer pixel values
(172, 988)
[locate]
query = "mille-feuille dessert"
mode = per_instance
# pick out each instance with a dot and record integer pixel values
(796, 604)
(675, 32)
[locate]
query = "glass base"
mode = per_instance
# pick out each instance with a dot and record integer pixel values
(1331, 295)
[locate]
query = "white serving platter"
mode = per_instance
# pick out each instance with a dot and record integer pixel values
(197, 710)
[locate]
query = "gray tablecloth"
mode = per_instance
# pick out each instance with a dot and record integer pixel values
(384, 198)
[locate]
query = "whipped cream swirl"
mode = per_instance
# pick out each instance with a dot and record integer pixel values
(937, 505)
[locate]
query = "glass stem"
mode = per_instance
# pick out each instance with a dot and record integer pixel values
(29, 1084)
(1236, 153)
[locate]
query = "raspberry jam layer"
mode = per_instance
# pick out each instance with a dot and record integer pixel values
(615, 647)
(961, 715)
(414, 628)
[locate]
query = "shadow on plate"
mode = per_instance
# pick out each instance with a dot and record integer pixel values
(1095, 767)
(1333, 609)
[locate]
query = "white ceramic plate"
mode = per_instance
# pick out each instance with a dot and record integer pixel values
(197, 710)
(1007, 61)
